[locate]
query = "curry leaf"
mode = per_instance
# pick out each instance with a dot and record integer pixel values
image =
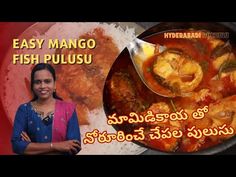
(173, 105)
(204, 65)
(227, 66)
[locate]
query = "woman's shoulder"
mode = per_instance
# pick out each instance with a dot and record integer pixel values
(65, 103)
(24, 106)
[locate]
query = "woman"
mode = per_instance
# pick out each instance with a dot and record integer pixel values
(46, 124)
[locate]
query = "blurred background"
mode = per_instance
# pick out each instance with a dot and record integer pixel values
(8, 31)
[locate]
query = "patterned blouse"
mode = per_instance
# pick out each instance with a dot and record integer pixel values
(39, 128)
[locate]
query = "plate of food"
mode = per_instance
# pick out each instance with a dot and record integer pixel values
(198, 67)
(82, 84)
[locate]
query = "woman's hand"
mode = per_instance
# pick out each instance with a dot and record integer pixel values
(25, 137)
(70, 146)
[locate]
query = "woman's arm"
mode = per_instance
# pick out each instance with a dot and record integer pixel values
(50, 148)
(69, 146)
(20, 125)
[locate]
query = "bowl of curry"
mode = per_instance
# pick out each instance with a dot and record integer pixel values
(199, 68)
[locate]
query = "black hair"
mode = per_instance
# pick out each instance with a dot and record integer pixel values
(43, 66)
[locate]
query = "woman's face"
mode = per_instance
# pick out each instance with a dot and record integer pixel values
(44, 85)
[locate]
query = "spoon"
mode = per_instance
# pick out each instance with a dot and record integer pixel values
(140, 51)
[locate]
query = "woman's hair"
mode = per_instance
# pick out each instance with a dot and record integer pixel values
(43, 66)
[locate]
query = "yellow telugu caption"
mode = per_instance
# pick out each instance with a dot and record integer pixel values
(70, 58)
(157, 132)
